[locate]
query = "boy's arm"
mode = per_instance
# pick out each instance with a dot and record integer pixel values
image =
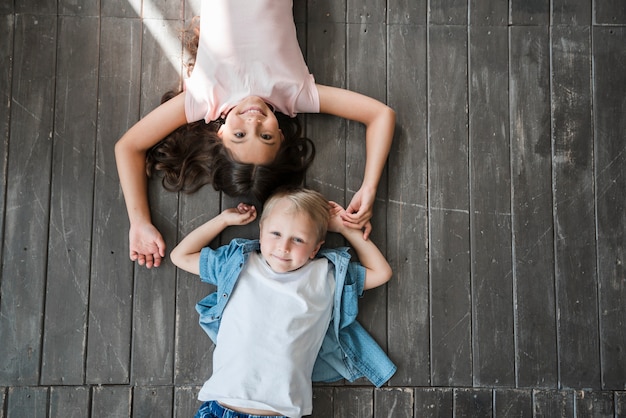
(377, 269)
(186, 255)
(379, 120)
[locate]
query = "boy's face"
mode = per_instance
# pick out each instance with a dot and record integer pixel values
(288, 239)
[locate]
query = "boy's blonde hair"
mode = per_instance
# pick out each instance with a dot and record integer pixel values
(306, 201)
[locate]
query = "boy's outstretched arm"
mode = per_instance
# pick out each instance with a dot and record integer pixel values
(186, 255)
(378, 270)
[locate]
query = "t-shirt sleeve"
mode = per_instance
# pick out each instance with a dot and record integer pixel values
(308, 101)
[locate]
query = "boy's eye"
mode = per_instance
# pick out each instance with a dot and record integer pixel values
(276, 234)
(298, 240)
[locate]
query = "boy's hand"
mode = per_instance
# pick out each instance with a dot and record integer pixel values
(241, 215)
(336, 223)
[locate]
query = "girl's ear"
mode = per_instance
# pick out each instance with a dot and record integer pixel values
(220, 131)
(316, 250)
(282, 135)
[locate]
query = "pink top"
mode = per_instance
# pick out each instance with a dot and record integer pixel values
(248, 48)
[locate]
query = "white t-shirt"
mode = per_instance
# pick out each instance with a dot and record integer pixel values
(270, 334)
(248, 48)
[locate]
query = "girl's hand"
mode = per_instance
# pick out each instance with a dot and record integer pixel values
(241, 215)
(359, 212)
(146, 245)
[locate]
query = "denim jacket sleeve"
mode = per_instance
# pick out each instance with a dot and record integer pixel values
(348, 350)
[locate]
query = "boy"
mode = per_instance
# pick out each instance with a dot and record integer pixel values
(285, 315)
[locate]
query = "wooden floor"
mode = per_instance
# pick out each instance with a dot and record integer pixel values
(502, 210)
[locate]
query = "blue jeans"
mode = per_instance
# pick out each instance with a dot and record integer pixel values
(212, 409)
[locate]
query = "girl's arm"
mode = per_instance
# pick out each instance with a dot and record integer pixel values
(377, 269)
(379, 121)
(186, 255)
(146, 244)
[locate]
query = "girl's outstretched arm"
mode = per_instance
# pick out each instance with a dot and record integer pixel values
(379, 120)
(146, 244)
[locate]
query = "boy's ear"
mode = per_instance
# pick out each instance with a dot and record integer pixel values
(316, 250)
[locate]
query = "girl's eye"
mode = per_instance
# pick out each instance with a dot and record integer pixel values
(267, 137)
(239, 134)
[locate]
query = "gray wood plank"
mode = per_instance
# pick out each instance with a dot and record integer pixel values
(110, 303)
(366, 12)
(193, 366)
(322, 402)
(447, 12)
(433, 402)
(40, 7)
(71, 208)
(25, 401)
(512, 403)
(529, 12)
(572, 12)
(594, 404)
(407, 247)
(3, 401)
(69, 401)
(6, 101)
(27, 199)
(79, 7)
(490, 204)
(609, 12)
(121, 8)
(407, 12)
(153, 401)
(451, 350)
(327, 11)
(393, 403)
(155, 289)
(474, 403)
(162, 10)
(111, 401)
(574, 212)
(533, 259)
(186, 401)
(488, 13)
(366, 69)
(353, 402)
(326, 58)
(553, 404)
(610, 176)
(7, 8)
(620, 403)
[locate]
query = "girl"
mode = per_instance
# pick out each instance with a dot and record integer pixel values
(248, 65)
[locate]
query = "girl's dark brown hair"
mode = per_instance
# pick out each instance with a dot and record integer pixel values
(193, 155)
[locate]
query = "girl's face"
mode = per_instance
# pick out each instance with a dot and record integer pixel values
(288, 238)
(251, 132)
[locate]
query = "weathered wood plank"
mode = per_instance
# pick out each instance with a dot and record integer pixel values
(366, 12)
(488, 13)
(155, 289)
(512, 403)
(121, 8)
(71, 208)
(366, 69)
(529, 12)
(110, 304)
(474, 403)
(353, 402)
(111, 401)
(153, 401)
(39, 7)
(620, 403)
(533, 259)
(433, 402)
(407, 247)
(186, 401)
(451, 351)
(568, 12)
(594, 404)
(393, 403)
(7, 8)
(322, 402)
(162, 10)
(326, 11)
(326, 58)
(574, 212)
(27, 401)
(609, 12)
(27, 199)
(610, 175)
(490, 208)
(78, 8)
(406, 12)
(447, 12)
(69, 401)
(553, 404)
(193, 366)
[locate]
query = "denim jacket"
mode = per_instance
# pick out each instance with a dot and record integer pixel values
(347, 351)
